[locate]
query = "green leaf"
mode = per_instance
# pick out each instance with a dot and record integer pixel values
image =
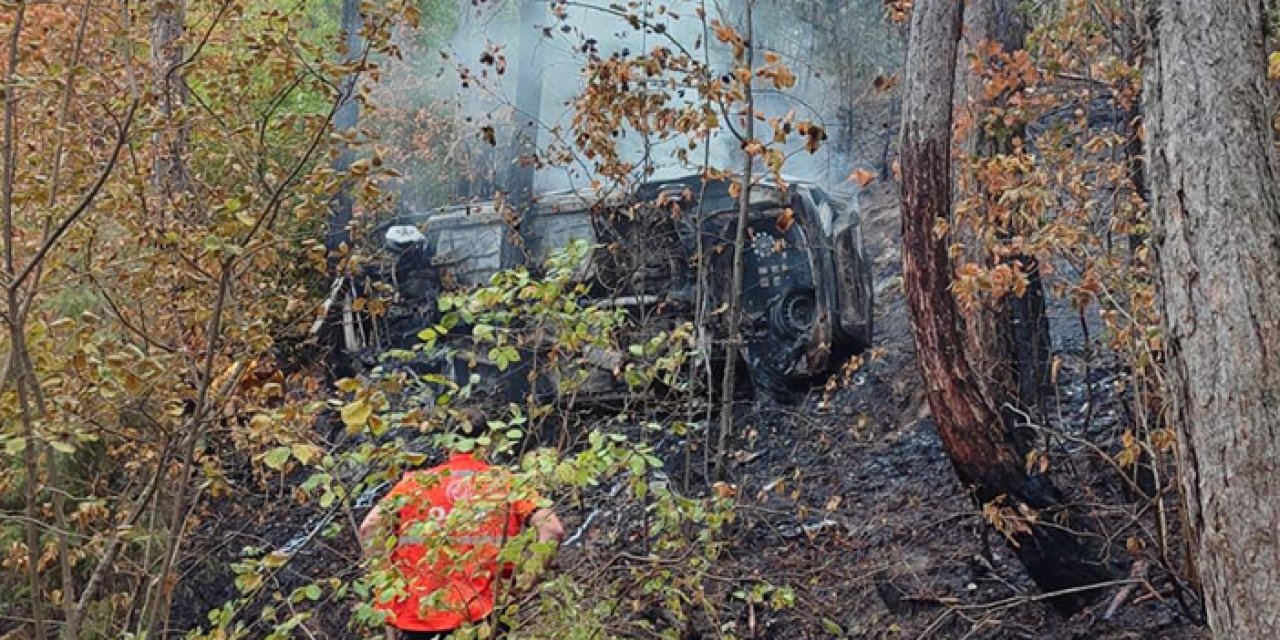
(834, 629)
(62, 447)
(637, 465)
(15, 446)
(276, 458)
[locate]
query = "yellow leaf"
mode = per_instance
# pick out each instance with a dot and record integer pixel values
(275, 560)
(356, 414)
(940, 228)
(305, 452)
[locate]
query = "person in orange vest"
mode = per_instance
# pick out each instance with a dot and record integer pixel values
(450, 522)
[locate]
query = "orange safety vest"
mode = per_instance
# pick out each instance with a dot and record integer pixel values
(449, 561)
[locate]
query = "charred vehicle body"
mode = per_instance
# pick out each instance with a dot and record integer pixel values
(807, 293)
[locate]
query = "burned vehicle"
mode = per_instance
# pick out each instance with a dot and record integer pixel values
(807, 294)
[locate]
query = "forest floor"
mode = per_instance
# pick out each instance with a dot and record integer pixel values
(872, 528)
(851, 502)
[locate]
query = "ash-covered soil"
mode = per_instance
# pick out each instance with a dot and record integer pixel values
(854, 503)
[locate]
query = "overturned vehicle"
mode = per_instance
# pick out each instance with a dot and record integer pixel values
(807, 294)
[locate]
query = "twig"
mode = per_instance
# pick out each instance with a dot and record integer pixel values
(1139, 568)
(1014, 601)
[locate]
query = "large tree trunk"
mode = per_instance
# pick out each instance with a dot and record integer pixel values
(980, 446)
(1216, 201)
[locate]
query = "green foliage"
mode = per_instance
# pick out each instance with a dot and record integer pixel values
(162, 200)
(607, 463)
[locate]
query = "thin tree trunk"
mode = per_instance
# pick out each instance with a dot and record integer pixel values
(17, 357)
(523, 146)
(524, 143)
(733, 346)
(345, 121)
(1045, 537)
(170, 180)
(169, 169)
(68, 585)
(1216, 203)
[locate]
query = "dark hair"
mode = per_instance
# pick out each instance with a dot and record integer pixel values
(469, 421)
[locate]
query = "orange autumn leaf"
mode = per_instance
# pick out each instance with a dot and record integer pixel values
(862, 177)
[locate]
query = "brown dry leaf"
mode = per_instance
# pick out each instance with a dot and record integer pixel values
(816, 136)
(786, 219)
(487, 134)
(862, 177)
(724, 489)
(885, 83)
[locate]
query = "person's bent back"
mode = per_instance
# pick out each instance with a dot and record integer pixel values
(449, 523)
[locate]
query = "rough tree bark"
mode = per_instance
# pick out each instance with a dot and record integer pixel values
(1008, 341)
(1056, 555)
(1216, 202)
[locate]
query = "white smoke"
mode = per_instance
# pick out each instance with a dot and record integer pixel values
(565, 31)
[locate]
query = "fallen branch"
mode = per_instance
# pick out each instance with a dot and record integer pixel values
(1137, 572)
(1009, 603)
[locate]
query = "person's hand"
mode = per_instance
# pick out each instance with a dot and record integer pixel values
(547, 525)
(369, 527)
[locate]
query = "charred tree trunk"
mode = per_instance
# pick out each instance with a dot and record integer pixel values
(1008, 340)
(1216, 203)
(342, 208)
(528, 115)
(522, 157)
(1055, 552)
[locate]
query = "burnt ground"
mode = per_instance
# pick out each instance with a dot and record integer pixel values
(849, 500)
(874, 531)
